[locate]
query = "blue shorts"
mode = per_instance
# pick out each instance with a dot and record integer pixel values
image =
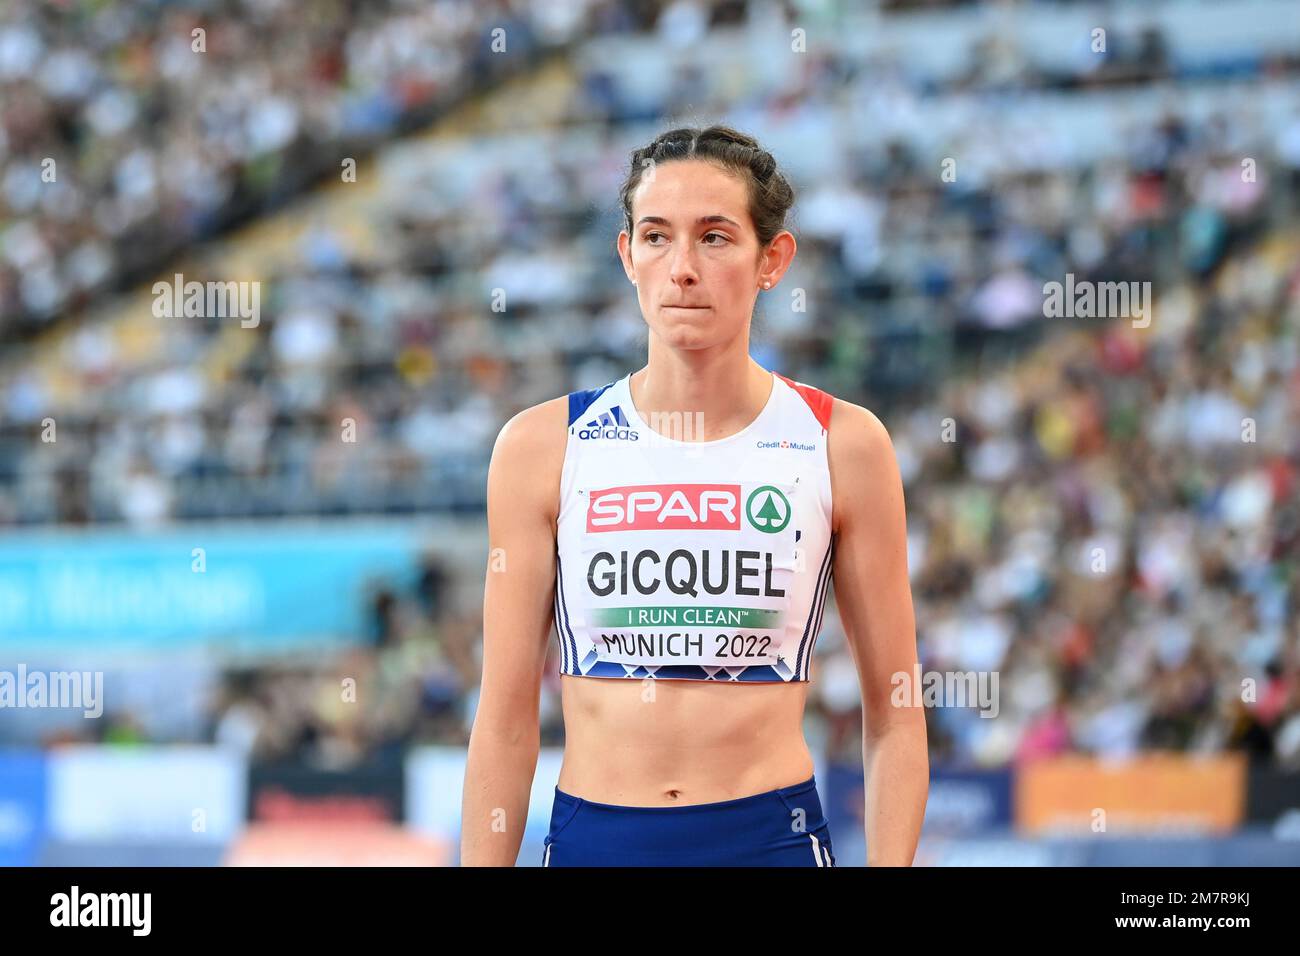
(782, 827)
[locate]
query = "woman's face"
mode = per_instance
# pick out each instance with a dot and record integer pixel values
(694, 256)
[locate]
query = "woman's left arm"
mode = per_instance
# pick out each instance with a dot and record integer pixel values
(874, 597)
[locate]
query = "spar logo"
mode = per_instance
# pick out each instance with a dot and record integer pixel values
(685, 507)
(767, 509)
(665, 508)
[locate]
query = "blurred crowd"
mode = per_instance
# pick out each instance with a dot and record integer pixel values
(1114, 529)
(408, 684)
(1104, 515)
(132, 129)
(479, 276)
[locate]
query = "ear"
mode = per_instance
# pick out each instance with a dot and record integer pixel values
(624, 246)
(776, 258)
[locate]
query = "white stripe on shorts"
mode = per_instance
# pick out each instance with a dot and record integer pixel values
(546, 860)
(817, 853)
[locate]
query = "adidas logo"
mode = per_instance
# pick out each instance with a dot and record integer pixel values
(614, 416)
(612, 425)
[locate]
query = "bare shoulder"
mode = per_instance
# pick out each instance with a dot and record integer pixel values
(861, 456)
(537, 429)
(528, 456)
(856, 434)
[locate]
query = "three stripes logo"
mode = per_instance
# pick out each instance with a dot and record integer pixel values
(614, 416)
(612, 424)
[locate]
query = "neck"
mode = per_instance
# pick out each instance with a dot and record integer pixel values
(723, 390)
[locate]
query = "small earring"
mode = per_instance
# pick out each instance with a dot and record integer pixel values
(767, 285)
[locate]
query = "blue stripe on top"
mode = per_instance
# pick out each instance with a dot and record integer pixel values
(580, 401)
(801, 669)
(572, 666)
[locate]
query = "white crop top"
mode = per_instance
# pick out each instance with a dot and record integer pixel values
(693, 560)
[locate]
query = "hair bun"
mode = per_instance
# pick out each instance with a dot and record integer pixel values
(764, 165)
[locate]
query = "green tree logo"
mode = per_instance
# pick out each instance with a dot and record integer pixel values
(767, 509)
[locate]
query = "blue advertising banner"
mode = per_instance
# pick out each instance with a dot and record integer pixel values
(22, 806)
(961, 802)
(146, 794)
(968, 801)
(272, 585)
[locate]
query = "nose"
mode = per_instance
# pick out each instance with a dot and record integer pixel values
(684, 273)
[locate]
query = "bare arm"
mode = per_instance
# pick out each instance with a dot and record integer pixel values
(523, 498)
(874, 597)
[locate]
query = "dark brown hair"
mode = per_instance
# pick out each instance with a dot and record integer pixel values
(770, 193)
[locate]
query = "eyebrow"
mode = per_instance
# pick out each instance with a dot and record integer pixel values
(660, 220)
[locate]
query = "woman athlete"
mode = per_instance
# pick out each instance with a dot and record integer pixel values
(679, 529)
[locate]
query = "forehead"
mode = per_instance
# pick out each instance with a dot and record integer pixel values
(685, 189)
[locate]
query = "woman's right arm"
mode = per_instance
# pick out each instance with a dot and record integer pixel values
(522, 504)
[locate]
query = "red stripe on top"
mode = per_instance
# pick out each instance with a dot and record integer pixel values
(817, 400)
